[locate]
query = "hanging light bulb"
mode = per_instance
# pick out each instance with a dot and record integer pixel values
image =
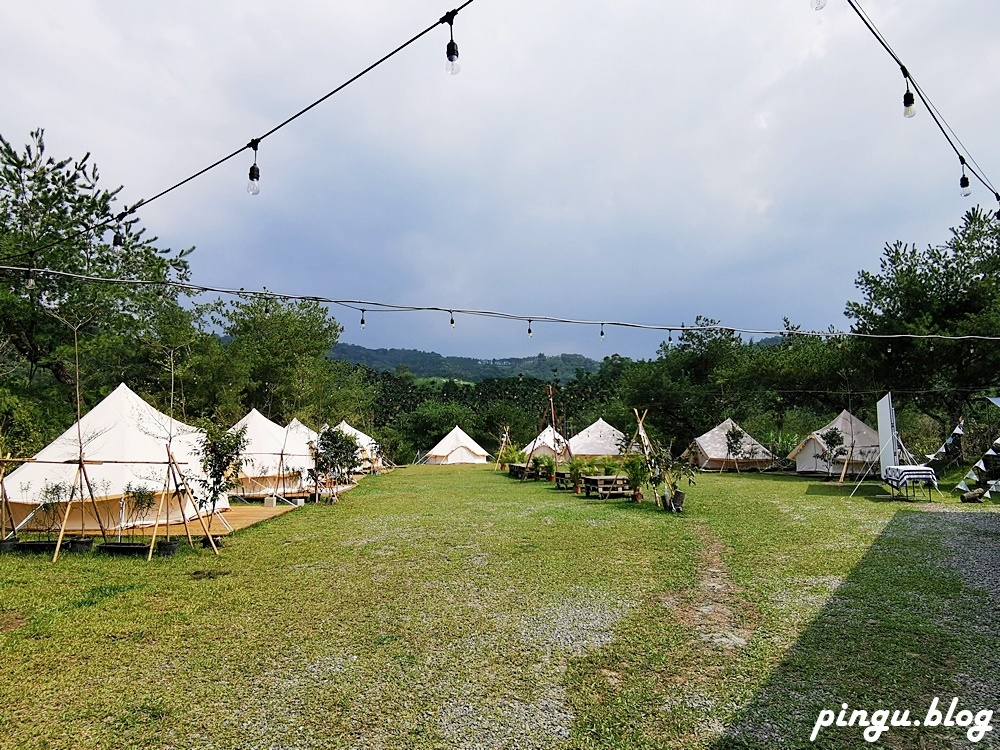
(118, 241)
(964, 187)
(909, 110)
(29, 282)
(817, 4)
(529, 329)
(452, 318)
(602, 331)
(253, 186)
(362, 319)
(889, 350)
(451, 51)
(670, 336)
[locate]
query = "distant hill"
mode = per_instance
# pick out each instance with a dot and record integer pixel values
(431, 365)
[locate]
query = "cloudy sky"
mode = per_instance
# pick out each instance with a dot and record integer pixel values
(618, 160)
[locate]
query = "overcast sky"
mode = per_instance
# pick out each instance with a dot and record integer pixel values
(598, 159)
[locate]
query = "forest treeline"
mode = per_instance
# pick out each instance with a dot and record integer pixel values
(216, 359)
(562, 367)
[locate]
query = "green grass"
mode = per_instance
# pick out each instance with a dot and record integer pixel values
(453, 607)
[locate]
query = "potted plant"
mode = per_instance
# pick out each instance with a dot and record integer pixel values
(337, 458)
(636, 468)
(578, 469)
(545, 466)
(137, 501)
(52, 498)
(670, 471)
(510, 455)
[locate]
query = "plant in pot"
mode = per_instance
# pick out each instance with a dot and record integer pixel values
(545, 467)
(510, 455)
(636, 468)
(672, 471)
(53, 495)
(220, 460)
(578, 469)
(137, 501)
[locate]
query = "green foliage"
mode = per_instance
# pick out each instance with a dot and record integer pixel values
(511, 455)
(337, 455)
(636, 468)
(544, 466)
(953, 290)
(220, 459)
(431, 365)
(833, 439)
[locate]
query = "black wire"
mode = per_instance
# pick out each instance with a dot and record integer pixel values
(374, 306)
(145, 202)
(931, 109)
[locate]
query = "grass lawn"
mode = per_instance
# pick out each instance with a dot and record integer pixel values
(453, 607)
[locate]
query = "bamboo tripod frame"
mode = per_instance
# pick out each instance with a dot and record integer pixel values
(549, 414)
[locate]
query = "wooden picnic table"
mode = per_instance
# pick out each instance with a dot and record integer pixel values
(606, 486)
(520, 471)
(563, 482)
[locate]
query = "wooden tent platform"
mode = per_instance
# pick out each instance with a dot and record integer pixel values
(239, 516)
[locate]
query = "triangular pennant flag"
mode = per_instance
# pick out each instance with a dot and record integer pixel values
(987, 495)
(995, 484)
(996, 442)
(931, 456)
(980, 465)
(972, 475)
(958, 431)
(962, 486)
(991, 452)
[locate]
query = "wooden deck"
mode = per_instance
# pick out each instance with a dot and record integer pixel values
(239, 516)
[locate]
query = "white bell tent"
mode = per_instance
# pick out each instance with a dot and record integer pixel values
(120, 447)
(600, 439)
(457, 448)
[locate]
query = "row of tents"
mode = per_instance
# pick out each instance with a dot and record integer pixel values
(714, 451)
(124, 448)
(600, 439)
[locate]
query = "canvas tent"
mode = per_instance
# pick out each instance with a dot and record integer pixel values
(711, 451)
(274, 459)
(371, 453)
(860, 447)
(125, 447)
(600, 439)
(456, 448)
(298, 450)
(548, 443)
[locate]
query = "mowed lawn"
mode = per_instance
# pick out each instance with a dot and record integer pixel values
(439, 607)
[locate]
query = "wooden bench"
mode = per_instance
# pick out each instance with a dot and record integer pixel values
(520, 471)
(607, 486)
(563, 482)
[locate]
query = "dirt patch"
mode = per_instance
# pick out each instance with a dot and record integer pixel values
(709, 611)
(9, 621)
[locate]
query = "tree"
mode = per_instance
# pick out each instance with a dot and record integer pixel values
(833, 448)
(949, 290)
(47, 207)
(282, 352)
(337, 456)
(220, 460)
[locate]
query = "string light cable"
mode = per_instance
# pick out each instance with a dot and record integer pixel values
(365, 307)
(448, 18)
(965, 158)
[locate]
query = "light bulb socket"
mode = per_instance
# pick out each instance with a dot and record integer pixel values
(963, 184)
(118, 240)
(254, 172)
(908, 99)
(451, 52)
